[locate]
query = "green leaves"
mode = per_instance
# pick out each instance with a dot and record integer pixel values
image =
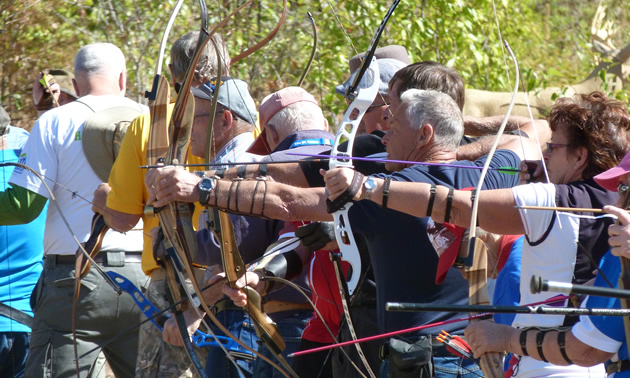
(551, 42)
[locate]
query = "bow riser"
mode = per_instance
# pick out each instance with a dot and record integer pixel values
(491, 363)
(234, 269)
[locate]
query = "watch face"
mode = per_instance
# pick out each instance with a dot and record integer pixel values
(206, 184)
(369, 184)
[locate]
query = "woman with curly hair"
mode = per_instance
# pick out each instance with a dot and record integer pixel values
(590, 134)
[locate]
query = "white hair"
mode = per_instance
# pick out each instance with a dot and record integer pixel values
(303, 115)
(99, 59)
(440, 111)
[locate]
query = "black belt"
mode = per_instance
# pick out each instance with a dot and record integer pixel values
(100, 258)
(224, 305)
(618, 366)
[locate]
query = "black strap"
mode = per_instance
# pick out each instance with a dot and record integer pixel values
(433, 190)
(449, 203)
(262, 170)
(386, 192)
(16, 314)
(523, 341)
(540, 337)
(353, 189)
(561, 343)
(220, 172)
(242, 171)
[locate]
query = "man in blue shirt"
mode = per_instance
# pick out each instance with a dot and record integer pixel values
(21, 253)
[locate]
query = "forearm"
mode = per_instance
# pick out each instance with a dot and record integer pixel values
(286, 173)
(480, 126)
(121, 222)
(497, 212)
(270, 200)
(577, 352)
(20, 206)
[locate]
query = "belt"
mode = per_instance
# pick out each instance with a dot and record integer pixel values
(618, 366)
(101, 258)
(271, 307)
(224, 305)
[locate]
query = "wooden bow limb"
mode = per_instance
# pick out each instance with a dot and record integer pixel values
(234, 268)
(313, 51)
(265, 40)
(491, 363)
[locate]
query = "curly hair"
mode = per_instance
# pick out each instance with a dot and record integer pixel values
(599, 124)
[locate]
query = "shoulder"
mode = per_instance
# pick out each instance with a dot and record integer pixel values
(501, 158)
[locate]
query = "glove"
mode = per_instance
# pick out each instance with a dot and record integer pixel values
(316, 235)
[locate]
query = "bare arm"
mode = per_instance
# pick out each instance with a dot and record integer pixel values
(286, 173)
(497, 212)
(481, 126)
(525, 148)
(121, 222)
(486, 337)
(252, 197)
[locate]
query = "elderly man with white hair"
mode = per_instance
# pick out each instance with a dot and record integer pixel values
(55, 149)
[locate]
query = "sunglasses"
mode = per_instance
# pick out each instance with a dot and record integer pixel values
(552, 146)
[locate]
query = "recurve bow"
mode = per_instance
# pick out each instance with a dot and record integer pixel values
(491, 363)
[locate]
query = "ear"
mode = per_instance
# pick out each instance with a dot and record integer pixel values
(122, 81)
(425, 134)
(170, 68)
(226, 120)
(273, 139)
(580, 155)
(76, 87)
(326, 125)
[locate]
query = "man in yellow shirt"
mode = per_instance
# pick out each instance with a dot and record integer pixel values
(122, 201)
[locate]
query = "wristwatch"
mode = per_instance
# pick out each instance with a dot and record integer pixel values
(206, 187)
(369, 185)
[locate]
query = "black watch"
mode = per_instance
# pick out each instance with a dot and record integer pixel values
(206, 187)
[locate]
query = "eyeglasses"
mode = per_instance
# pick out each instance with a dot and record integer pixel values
(372, 107)
(552, 146)
(622, 187)
(201, 115)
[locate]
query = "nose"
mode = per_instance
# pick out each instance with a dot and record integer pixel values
(385, 139)
(386, 113)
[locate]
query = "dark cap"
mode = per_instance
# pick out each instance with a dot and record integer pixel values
(64, 79)
(386, 52)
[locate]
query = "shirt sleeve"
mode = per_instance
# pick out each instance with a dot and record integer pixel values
(535, 222)
(126, 179)
(20, 206)
(40, 154)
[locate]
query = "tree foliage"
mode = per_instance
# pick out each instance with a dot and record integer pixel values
(551, 39)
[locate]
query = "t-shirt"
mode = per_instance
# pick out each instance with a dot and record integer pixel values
(403, 258)
(605, 333)
(55, 150)
(129, 194)
(569, 235)
(21, 246)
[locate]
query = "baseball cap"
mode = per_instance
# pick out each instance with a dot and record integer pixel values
(386, 52)
(609, 179)
(233, 94)
(271, 105)
(387, 68)
(64, 79)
